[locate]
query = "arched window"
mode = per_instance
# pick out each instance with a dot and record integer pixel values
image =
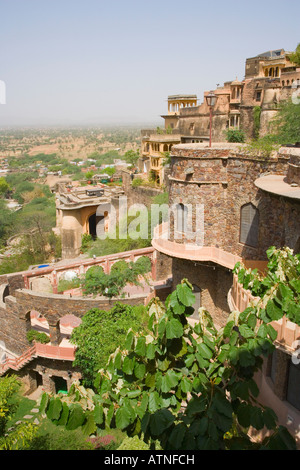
(249, 225)
(181, 218)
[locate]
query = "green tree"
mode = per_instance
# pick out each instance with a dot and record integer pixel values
(4, 186)
(191, 387)
(132, 157)
(20, 434)
(100, 333)
(295, 56)
(285, 127)
(235, 135)
(97, 282)
(110, 171)
(89, 175)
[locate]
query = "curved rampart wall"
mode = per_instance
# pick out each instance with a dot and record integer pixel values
(17, 301)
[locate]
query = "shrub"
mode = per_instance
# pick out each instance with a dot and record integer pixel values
(137, 182)
(66, 285)
(133, 443)
(33, 335)
(107, 442)
(235, 135)
(86, 241)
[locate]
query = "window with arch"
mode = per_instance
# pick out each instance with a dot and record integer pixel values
(181, 218)
(249, 225)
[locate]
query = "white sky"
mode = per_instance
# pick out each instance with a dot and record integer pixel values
(95, 62)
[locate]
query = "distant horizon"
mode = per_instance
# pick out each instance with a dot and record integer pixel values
(75, 63)
(95, 125)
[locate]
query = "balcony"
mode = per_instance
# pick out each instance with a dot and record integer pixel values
(189, 251)
(287, 331)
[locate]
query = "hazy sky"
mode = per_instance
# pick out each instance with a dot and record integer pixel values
(116, 61)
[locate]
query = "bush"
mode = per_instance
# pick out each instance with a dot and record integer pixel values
(86, 241)
(137, 182)
(107, 442)
(133, 443)
(33, 335)
(52, 437)
(101, 332)
(66, 285)
(235, 135)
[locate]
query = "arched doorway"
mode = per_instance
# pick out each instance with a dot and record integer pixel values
(92, 225)
(94, 220)
(60, 384)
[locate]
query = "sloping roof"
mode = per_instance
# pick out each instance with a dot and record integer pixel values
(272, 54)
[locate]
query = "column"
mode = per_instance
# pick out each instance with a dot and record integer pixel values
(55, 335)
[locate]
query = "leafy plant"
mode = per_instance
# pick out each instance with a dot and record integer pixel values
(21, 433)
(256, 120)
(261, 147)
(235, 135)
(295, 56)
(279, 289)
(96, 281)
(33, 335)
(136, 182)
(188, 387)
(100, 333)
(285, 125)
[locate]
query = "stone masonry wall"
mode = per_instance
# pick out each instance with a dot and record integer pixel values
(15, 314)
(214, 282)
(223, 181)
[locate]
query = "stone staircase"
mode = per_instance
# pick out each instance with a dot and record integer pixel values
(37, 350)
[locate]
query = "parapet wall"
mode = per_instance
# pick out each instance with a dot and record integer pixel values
(17, 300)
(221, 178)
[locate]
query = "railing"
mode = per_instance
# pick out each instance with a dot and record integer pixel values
(288, 333)
(38, 350)
(54, 272)
(191, 251)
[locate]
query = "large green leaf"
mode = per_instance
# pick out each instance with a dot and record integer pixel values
(154, 401)
(98, 414)
(185, 295)
(223, 405)
(150, 351)
(273, 310)
(169, 381)
(186, 385)
(140, 348)
(54, 409)
(174, 329)
(244, 415)
(177, 436)
(76, 417)
(257, 418)
(139, 370)
(89, 427)
(64, 415)
(128, 365)
(160, 421)
(205, 351)
(196, 405)
(245, 331)
(228, 328)
(124, 416)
